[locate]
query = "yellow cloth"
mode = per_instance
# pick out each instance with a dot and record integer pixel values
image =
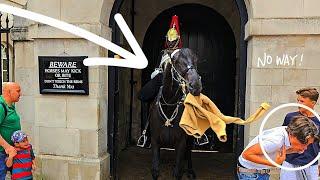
(200, 113)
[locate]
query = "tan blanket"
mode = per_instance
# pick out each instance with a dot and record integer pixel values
(200, 113)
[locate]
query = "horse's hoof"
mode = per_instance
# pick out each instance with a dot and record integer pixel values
(155, 174)
(155, 177)
(191, 174)
(176, 174)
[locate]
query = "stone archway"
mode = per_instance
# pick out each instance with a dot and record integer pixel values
(142, 23)
(209, 35)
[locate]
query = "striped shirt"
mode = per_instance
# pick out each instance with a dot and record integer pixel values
(22, 164)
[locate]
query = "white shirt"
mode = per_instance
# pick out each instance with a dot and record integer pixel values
(273, 140)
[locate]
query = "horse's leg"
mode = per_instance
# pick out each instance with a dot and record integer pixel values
(180, 150)
(190, 172)
(155, 160)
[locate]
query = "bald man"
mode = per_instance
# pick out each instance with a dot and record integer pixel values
(9, 121)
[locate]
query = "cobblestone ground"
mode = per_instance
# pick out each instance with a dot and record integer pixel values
(135, 164)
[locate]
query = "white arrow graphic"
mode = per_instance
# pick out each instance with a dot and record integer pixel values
(138, 61)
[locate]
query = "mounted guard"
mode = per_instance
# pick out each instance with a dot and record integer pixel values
(150, 90)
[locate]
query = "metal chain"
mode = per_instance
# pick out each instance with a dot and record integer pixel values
(173, 116)
(183, 83)
(168, 104)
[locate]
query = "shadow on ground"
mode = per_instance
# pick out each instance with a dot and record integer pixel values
(135, 164)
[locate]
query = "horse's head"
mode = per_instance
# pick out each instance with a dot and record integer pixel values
(184, 63)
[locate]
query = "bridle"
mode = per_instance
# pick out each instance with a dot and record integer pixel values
(183, 84)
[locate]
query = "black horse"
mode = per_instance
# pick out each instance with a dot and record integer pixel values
(180, 77)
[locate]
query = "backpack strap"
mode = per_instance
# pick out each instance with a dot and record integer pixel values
(5, 109)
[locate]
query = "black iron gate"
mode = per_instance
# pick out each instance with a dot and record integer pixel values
(5, 27)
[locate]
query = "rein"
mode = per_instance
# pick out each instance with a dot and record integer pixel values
(183, 84)
(160, 109)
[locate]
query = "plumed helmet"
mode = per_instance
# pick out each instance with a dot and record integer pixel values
(173, 33)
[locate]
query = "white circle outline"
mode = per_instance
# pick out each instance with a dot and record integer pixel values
(261, 130)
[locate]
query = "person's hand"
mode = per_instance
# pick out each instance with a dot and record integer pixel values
(281, 155)
(12, 154)
(10, 149)
(34, 166)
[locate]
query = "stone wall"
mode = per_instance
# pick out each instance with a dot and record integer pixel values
(283, 56)
(68, 132)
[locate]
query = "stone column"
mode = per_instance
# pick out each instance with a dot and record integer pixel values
(68, 132)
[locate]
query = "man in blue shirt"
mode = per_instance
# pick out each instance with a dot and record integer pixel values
(308, 97)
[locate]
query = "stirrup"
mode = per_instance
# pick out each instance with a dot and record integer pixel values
(142, 139)
(202, 140)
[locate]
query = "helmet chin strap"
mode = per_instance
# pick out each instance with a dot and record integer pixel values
(175, 45)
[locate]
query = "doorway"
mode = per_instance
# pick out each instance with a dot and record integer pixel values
(209, 35)
(222, 54)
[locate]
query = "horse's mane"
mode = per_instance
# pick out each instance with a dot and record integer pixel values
(184, 54)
